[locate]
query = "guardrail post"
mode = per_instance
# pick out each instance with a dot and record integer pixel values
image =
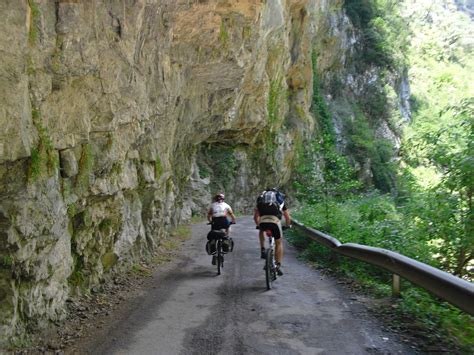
(395, 285)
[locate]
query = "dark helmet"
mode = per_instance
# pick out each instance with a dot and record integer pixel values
(219, 197)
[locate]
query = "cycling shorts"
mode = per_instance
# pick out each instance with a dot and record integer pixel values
(220, 223)
(272, 223)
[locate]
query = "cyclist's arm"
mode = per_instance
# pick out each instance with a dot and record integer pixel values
(209, 215)
(231, 214)
(256, 216)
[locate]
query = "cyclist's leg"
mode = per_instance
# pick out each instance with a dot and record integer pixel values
(266, 222)
(227, 229)
(278, 251)
(263, 227)
(278, 233)
(262, 239)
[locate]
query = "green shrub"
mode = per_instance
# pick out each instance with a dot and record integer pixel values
(158, 168)
(223, 33)
(6, 261)
(44, 159)
(77, 277)
(375, 220)
(376, 21)
(86, 163)
(319, 108)
(275, 95)
(363, 145)
(219, 161)
(35, 15)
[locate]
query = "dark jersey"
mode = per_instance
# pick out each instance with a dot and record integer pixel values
(271, 203)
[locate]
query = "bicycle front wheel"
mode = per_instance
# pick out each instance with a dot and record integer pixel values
(269, 269)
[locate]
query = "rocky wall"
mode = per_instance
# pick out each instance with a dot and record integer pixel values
(113, 114)
(121, 118)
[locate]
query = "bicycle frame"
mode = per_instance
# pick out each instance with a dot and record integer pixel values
(270, 264)
(271, 240)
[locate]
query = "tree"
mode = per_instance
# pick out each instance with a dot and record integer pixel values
(450, 149)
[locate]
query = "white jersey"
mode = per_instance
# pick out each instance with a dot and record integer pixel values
(220, 209)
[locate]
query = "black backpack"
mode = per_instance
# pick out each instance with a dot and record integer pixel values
(268, 204)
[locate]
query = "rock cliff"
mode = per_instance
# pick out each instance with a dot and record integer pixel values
(121, 118)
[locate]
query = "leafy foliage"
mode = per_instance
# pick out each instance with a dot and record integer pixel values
(384, 35)
(438, 145)
(430, 217)
(322, 171)
(376, 220)
(220, 164)
(449, 154)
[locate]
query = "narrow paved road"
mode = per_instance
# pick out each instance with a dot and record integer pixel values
(193, 311)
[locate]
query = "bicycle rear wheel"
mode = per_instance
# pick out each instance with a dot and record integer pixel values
(269, 269)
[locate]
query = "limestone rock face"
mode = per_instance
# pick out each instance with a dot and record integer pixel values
(111, 112)
(121, 118)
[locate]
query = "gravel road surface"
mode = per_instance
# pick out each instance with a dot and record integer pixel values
(191, 310)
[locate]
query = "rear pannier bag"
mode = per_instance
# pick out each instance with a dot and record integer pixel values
(212, 236)
(211, 247)
(227, 245)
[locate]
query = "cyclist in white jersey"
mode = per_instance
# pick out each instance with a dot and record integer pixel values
(218, 214)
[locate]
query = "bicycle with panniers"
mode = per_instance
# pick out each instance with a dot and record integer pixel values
(219, 243)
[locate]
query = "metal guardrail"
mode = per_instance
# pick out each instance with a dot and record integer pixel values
(450, 288)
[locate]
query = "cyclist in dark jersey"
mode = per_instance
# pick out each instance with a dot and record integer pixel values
(267, 216)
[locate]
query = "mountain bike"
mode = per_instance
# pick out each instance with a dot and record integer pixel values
(270, 267)
(218, 256)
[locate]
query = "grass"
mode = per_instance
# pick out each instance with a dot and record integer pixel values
(6, 261)
(44, 159)
(275, 95)
(181, 232)
(35, 164)
(223, 33)
(168, 247)
(198, 218)
(23, 341)
(158, 168)
(71, 210)
(86, 163)
(77, 277)
(35, 15)
(141, 270)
